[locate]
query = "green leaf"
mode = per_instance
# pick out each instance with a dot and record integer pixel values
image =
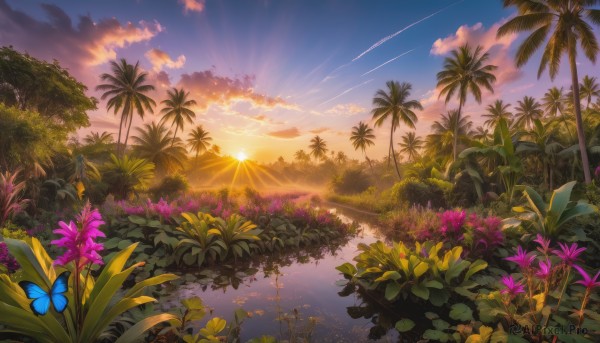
(461, 312)
(136, 331)
(475, 267)
(347, 269)
(420, 291)
(433, 284)
(392, 290)
(137, 220)
(404, 325)
(389, 275)
(436, 335)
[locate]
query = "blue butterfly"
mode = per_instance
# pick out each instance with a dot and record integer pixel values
(41, 298)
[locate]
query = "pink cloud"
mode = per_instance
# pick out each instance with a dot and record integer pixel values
(192, 5)
(319, 130)
(346, 109)
(292, 132)
(159, 58)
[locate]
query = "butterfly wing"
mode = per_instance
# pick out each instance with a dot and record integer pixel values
(40, 305)
(32, 291)
(60, 286)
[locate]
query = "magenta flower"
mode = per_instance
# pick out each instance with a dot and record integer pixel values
(452, 223)
(545, 269)
(7, 260)
(511, 287)
(544, 243)
(522, 258)
(163, 209)
(588, 282)
(567, 253)
(79, 239)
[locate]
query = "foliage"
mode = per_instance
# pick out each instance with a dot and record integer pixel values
(198, 241)
(154, 144)
(11, 197)
(351, 181)
(170, 186)
(127, 175)
(412, 191)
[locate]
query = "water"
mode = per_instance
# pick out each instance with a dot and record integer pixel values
(297, 293)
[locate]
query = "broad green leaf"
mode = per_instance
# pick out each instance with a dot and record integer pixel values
(136, 331)
(420, 291)
(392, 290)
(404, 325)
(461, 312)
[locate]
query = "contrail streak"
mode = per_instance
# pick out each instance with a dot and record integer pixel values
(393, 59)
(385, 39)
(346, 91)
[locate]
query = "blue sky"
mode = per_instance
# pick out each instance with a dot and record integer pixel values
(268, 74)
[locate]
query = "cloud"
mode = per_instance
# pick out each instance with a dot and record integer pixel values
(292, 132)
(346, 109)
(100, 124)
(77, 47)
(159, 58)
(192, 5)
(319, 130)
(208, 88)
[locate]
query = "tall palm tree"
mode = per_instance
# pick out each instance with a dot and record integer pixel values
(154, 144)
(125, 89)
(496, 111)
(362, 137)
(97, 138)
(465, 72)
(341, 157)
(554, 103)
(199, 140)
(561, 24)
(395, 106)
(482, 134)
(318, 148)
(177, 109)
(589, 89)
(527, 111)
(443, 140)
(410, 145)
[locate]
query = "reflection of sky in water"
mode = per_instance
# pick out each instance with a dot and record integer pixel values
(309, 288)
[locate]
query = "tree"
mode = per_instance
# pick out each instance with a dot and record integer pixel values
(153, 144)
(496, 111)
(341, 157)
(589, 89)
(127, 175)
(410, 145)
(465, 72)
(481, 134)
(318, 148)
(542, 146)
(177, 109)
(215, 149)
(554, 103)
(199, 140)
(125, 89)
(301, 156)
(562, 24)
(443, 140)
(362, 137)
(527, 111)
(395, 106)
(97, 138)
(33, 85)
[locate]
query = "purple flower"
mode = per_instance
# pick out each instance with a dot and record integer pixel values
(511, 287)
(545, 269)
(588, 282)
(568, 254)
(544, 243)
(79, 239)
(275, 207)
(163, 209)
(522, 258)
(7, 260)
(452, 223)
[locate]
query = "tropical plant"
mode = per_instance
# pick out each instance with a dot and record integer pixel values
(394, 105)
(318, 148)
(237, 234)
(125, 89)
(549, 219)
(199, 140)
(442, 141)
(153, 144)
(177, 109)
(197, 241)
(541, 143)
(465, 72)
(589, 89)
(562, 25)
(341, 157)
(554, 101)
(127, 175)
(496, 111)
(301, 156)
(410, 145)
(526, 112)
(362, 137)
(11, 195)
(97, 138)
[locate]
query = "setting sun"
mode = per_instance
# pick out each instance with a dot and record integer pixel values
(241, 156)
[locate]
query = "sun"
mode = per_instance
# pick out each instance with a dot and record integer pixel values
(241, 156)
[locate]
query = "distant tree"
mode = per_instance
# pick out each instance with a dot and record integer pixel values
(554, 103)
(177, 109)
(125, 89)
(527, 111)
(481, 134)
(442, 139)
(395, 106)
(97, 138)
(496, 111)
(127, 175)
(301, 156)
(589, 89)
(341, 157)
(215, 149)
(153, 144)
(465, 72)
(410, 145)
(362, 137)
(318, 148)
(199, 140)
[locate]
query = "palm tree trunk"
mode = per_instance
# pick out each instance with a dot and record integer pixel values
(128, 128)
(174, 135)
(393, 152)
(566, 125)
(576, 102)
(120, 126)
(455, 145)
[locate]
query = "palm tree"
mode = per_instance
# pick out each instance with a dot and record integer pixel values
(554, 102)
(302, 156)
(540, 143)
(562, 24)
(443, 140)
(395, 105)
(215, 149)
(97, 138)
(410, 145)
(341, 157)
(362, 137)
(318, 148)
(589, 88)
(199, 140)
(125, 88)
(482, 134)
(177, 109)
(465, 72)
(527, 111)
(127, 174)
(153, 144)
(496, 111)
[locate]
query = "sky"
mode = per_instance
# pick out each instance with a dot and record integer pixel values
(268, 75)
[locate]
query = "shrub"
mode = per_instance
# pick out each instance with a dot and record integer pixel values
(350, 182)
(170, 187)
(412, 191)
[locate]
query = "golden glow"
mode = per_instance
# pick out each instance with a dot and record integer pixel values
(241, 156)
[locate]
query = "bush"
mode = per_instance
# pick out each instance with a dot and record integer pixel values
(351, 181)
(170, 187)
(412, 191)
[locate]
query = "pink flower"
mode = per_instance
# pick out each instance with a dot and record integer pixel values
(588, 282)
(545, 269)
(567, 253)
(79, 239)
(511, 287)
(452, 223)
(522, 258)
(544, 243)
(163, 209)
(7, 260)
